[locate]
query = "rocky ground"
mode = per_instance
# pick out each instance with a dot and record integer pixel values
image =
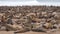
(33, 19)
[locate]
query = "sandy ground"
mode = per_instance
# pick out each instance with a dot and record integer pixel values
(30, 32)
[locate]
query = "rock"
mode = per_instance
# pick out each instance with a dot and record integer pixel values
(40, 29)
(21, 31)
(52, 30)
(44, 14)
(3, 28)
(55, 26)
(54, 13)
(9, 21)
(35, 25)
(13, 27)
(47, 25)
(53, 21)
(43, 20)
(49, 15)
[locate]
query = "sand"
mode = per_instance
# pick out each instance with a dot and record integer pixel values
(30, 32)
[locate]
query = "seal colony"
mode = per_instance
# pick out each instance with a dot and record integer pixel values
(29, 18)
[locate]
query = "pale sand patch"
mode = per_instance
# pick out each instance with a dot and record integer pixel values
(6, 32)
(30, 32)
